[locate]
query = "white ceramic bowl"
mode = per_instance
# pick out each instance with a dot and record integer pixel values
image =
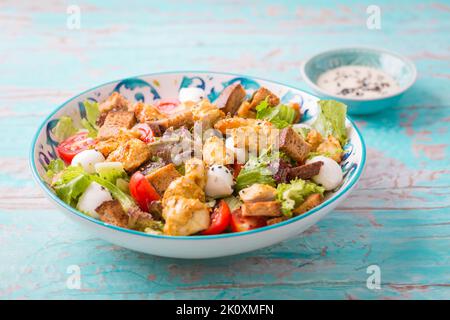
(166, 85)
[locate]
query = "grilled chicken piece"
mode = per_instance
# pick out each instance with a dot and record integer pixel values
(185, 216)
(314, 139)
(258, 192)
(215, 152)
(332, 148)
(263, 208)
(183, 187)
(231, 98)
(195, 169)
(109, 145)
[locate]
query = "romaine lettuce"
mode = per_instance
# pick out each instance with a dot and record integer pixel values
(292, 194)
(281, 116)
(331, 120)
(64, 129)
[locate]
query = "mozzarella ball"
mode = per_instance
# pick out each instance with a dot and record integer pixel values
(330, 175)
(219, 181)
(87, 159)
(191, 94)
(92, 198)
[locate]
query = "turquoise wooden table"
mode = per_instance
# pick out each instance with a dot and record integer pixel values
(397, 220)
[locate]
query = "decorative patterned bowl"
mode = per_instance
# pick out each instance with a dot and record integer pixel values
(166, 85)
(400, 68)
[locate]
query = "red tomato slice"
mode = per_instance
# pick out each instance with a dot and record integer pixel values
(73, 145)
(167, 105)
(240, 223)
(147, 134)
(220, 219)
(142, 191)
(237, 168)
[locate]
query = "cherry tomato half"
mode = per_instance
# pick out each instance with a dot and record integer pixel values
(237, 168)
(167, 105)
(142, 191)
(240, 223)
(73, 145)
(147, 134)
(220, 219)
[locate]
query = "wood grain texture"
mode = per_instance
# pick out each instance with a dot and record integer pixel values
(397, 218)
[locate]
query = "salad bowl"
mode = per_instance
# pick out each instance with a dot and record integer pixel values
(150, 87)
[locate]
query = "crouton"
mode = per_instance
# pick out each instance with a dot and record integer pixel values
(306, 171)
(114, 122)
(111, 212)
(293, 145)
(276, 220)
(147, 113)
(162, 177)
(310, 202)
(262, 208)
(207, 113)
(180, 119)
(231, 98)
(247, 108)
(109, 145)
(258, 192)
(132, 154)
(114, 102)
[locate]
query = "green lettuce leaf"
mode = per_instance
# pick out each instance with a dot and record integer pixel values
(257, 170)
(92, 113)
(110, 171)
(54, 167)
(64, 129)
(292, 194)
(331, 120)
(126, 201)
(281, 116)
(71, 184)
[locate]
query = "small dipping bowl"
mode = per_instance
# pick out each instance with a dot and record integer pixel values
(401, 69)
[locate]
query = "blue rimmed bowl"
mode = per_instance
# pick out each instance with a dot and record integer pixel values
(398, 67)
(151, 87)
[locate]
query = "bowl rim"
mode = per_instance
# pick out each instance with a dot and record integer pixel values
(401, 90)
(74, 211)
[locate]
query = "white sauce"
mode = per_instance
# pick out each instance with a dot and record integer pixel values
(357, 82)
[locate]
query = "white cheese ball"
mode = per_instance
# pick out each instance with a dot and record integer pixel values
(87, 159)
(92, 198)
(330, 175)
(191, 94)
(219, 181)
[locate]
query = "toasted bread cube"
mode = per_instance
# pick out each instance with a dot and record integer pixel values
(293, 145)
(231, 98)
(111, 212)
(114, 102)
(310, 202)
(263, 208)
(132, 154)
(180, 119)
(114, 122)
(306, 171)
(162, 177)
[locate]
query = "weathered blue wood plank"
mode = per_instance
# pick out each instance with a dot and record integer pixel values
(398, 218)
